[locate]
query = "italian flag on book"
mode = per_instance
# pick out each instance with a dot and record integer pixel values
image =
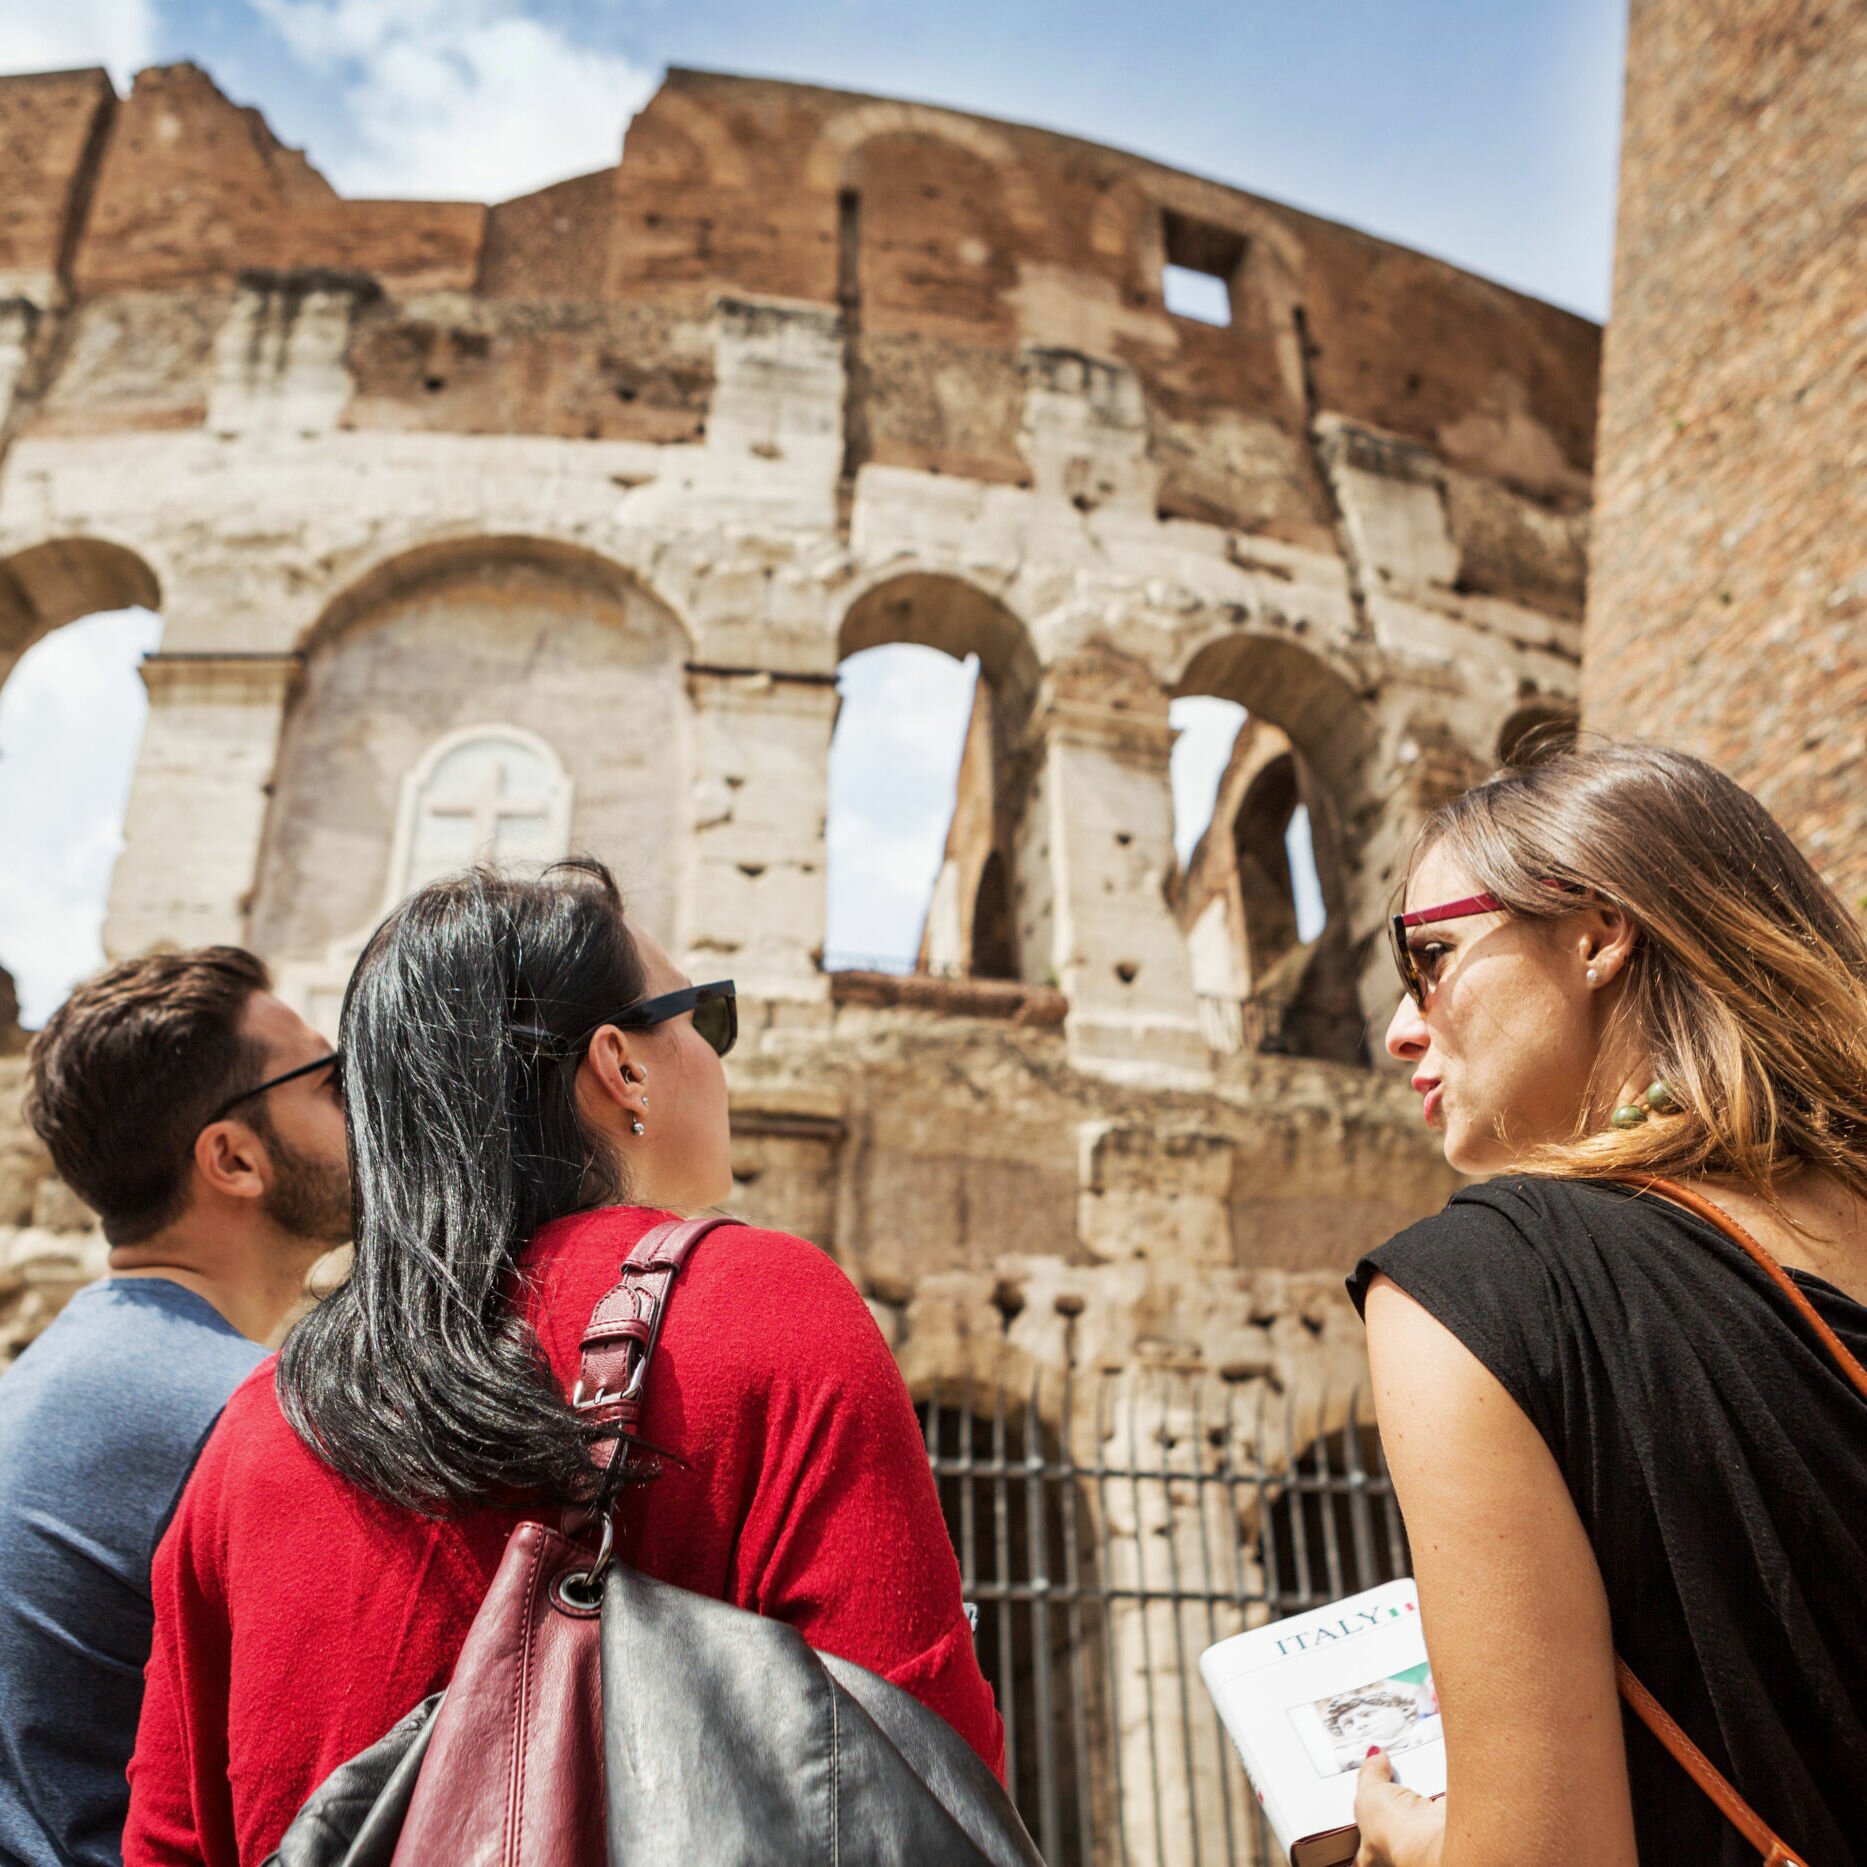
(1304, 1698)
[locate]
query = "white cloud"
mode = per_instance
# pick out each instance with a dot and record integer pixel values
(460, 99)
(117, 34)
(71, 722)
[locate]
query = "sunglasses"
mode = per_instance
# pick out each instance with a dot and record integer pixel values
(333, 1061)
(715, 1008)
(1410, 975)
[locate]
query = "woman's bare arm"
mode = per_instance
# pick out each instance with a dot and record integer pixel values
(1515, 1613)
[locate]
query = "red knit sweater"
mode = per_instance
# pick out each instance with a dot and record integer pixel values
(297, 1618)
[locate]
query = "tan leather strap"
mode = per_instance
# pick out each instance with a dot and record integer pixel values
(1702, 1770)
(1716, 1215)
(1774, 1850)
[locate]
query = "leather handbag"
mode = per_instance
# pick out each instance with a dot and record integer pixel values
(1773, 1849)
(595, 1715)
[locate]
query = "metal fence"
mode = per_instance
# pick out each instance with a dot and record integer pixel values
(1110, 1538)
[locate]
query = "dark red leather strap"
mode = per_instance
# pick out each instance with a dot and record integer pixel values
(1775, 1851)
(620, 1339)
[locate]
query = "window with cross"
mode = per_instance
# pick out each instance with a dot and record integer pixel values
(486, 794)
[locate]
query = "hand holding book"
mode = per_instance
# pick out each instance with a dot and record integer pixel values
(1399, 1827)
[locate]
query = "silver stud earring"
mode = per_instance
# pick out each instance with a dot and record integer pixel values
(635, 1126)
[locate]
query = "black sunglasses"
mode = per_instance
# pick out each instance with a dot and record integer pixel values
(715, 1008)
(333, 1062)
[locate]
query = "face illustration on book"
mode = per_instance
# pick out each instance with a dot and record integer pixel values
(1397, 1713)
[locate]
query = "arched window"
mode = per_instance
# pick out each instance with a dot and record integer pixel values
(76, 619)
(1250, 892)
(497, 696)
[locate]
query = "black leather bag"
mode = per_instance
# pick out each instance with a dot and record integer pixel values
(724, 1737)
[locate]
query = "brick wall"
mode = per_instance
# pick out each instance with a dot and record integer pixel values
(1728, 583)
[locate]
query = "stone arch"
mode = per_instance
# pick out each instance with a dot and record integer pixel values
(827, 168)
(66, 775)
(408, 562)
(48, 585)
(1298, 689)
(939, 609)
(519, 635)
(1305, 743)
(687, 127)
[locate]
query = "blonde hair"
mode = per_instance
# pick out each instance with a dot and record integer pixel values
(1747, 984)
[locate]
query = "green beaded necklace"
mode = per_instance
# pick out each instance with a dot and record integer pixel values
(1658, 1100)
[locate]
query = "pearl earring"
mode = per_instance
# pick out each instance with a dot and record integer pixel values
(1594, 978)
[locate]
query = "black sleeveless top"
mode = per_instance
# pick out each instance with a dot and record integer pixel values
(1718, 1459)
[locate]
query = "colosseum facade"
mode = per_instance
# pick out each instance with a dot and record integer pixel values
(546, 525)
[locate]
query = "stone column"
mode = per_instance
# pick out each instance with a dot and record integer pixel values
(198, 803)
(754, 894)
(1097, 853)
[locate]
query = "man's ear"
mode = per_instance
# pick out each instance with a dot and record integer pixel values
(231, 1160)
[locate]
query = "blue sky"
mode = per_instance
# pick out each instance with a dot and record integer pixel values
(1483, 131)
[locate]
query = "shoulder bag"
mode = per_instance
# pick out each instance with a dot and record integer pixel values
(596, 1715)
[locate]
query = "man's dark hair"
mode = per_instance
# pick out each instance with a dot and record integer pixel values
(127, 1072)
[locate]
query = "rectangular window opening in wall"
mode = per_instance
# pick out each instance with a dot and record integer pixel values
(1201, 267)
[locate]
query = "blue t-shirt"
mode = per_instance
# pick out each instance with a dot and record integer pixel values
(100, 1422)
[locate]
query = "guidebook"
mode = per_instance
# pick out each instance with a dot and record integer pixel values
(1305, 1698)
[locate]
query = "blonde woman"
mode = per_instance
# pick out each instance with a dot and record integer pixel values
(1609, 1428)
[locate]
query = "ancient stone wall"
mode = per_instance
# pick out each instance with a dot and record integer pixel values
(1728, 590)
(546, 525)
(590, 493)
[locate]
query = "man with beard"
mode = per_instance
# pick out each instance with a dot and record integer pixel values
(202, 1120)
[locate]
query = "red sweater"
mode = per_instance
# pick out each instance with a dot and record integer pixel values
(297, 1618)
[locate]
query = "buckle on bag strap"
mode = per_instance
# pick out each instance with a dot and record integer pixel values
(619, 1340)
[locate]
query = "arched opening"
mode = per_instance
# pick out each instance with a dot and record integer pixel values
(1264, 728)
(77, 616)
(1020, 1526)
(934, 683)
(497, 698)
(1333, 1527)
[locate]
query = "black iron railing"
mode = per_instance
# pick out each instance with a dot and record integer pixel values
(1107, 1540)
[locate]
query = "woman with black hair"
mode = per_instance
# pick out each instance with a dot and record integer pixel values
(531, 1086)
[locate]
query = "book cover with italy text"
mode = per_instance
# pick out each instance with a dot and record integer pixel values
(1304, 1698)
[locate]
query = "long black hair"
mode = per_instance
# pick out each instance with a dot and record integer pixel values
(462, 1030)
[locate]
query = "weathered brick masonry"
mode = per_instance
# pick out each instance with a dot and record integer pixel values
(1728, 584)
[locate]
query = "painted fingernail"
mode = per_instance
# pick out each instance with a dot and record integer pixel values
(1374, 1750)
